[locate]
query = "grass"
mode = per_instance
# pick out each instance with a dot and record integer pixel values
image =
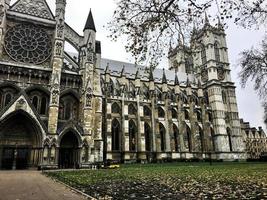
(172, 181)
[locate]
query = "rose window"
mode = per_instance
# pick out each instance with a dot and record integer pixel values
(28, 43)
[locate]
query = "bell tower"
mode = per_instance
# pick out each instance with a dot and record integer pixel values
(210, 54)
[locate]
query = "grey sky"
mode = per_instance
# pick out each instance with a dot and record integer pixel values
(238, 39)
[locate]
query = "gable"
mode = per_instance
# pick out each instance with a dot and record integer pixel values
(37, 8)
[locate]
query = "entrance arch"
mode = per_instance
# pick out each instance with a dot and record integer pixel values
(20, 141)
(69, 151)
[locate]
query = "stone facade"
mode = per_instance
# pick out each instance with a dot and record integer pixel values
(255, 140)
(75, 109)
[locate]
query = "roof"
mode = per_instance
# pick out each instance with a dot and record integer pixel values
(130, 70)
(90, 24)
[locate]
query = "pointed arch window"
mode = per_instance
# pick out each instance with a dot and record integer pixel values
(8, 98)
(132, 110)
(132, 136)
(147, 111)
(146, 93)
(199, 116)
(229, 134)
(115, 108)
(217, 52)
(43, 106)
(174, 114)
(176, 137)
(162, 133)
(161, 113)
(224, 98)
(35, 102)
(203, 55)
(147, 137)
(187, 138)
(186, 115)
(115, 135)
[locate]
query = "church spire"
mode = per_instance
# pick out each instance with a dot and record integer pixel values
(176, 80)
(164, 79)
(151, 77)
(207, 22)
(90, 24)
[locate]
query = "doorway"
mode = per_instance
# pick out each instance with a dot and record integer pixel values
(19, 142)
(69, 151)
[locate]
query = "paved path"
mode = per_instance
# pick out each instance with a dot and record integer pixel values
(32, 185)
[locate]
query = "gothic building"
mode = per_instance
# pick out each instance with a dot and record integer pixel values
(255, 140)
(61, 110)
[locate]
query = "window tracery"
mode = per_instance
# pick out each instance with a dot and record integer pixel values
(28, 43)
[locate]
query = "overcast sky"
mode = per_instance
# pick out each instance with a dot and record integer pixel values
(238, 39)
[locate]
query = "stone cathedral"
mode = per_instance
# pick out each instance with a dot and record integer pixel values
(65, 110)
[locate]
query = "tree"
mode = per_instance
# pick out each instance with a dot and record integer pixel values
(152, 26)
(254, 67)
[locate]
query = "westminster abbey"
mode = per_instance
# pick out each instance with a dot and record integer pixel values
(65, 110)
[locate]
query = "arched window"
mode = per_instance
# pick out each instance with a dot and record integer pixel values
(210, 117)
(186, 115)
(115, 135)
(174, 114)
(146, 93)
(68, 107)
(43, 106)
(68, 111)
(61, 110)
(176, 137)
(161, 112)
(229, 134)
(35, 102)
(224, 98)
(199, 140)
(203, 55)
(159, 95)
(212, 139)
(199, 116)
(147, 137)
(132, 110)
(187, 138)
(217, 52)
(132, 136)
(147, 111)
(162, 133)
(206, 96)
(111, 88)
(115, 108)
(8, 98)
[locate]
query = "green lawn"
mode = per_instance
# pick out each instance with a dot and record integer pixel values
(172, 181)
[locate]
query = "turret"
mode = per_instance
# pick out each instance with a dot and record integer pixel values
(89, 32)
(176, 83)
(151, 80)
(164, 82)
(199, 90)
(137, 79)
(188, 87)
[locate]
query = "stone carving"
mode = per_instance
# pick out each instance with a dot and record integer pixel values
(58, 48)
(37, 8)
(221, 74)
(204, 75)
(28, 43)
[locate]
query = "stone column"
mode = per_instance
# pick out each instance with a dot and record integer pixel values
(57, 64)
(3, 8)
